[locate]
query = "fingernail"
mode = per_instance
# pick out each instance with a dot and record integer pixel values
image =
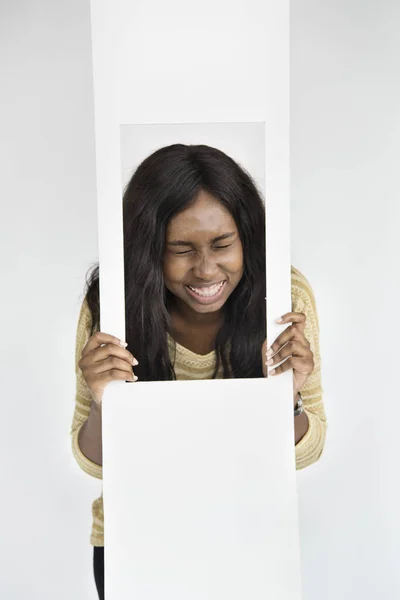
(272, 372)
(135, 362)
(270, 353)
(135, 378)
(123, 344)
(279, 320)
(270, 362)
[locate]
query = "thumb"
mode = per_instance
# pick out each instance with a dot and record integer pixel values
(264, 358)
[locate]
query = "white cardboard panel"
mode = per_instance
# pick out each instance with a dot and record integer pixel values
(220, 61)
(199, 492)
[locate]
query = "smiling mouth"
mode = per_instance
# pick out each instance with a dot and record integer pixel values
(207, 292)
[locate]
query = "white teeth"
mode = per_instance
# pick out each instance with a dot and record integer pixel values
(207, 292)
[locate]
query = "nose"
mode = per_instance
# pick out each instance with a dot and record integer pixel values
(206, 267)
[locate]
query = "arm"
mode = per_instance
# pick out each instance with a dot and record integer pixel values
(301, 425)
(86, 424)
(311, 426)
(90, 436)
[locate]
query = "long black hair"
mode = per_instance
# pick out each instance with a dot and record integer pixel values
(163, 185)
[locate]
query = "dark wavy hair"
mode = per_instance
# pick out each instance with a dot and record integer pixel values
(163, 185)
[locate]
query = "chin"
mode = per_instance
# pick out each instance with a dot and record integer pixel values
(210, 308)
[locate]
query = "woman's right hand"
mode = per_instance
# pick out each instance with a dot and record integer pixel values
(105, 359)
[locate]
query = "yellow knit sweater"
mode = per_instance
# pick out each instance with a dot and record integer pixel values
(189, 365)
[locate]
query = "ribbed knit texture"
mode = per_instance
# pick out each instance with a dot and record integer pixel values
(189, 365)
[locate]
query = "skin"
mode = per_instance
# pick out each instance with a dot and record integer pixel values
(195, 255)
(293, 346)
(104, 359)
(202, 248)
(294, 349)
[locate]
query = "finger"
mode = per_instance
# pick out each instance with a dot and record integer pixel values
(100, 338)
(297, 318)
(302, 366)
(114, 375)
(290, 333)
(292, 348)
(107, 350)
(100, 355)
(263, 358)
(112, 363)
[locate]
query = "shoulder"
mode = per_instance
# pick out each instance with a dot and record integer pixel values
(85, 316)
(84, 327)
(303, 299)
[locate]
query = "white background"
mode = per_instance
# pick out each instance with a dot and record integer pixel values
(345, 222)
(345, 148)
(244, 142)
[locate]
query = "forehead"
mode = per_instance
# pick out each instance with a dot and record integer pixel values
(206, 217)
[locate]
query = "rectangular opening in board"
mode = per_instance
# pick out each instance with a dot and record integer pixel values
(194, 249)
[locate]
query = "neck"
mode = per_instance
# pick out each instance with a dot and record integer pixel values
(184, 313)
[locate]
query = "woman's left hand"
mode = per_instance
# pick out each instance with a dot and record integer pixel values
(293, 346)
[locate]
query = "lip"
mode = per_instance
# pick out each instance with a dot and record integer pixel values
(207, 285)
(209, 300)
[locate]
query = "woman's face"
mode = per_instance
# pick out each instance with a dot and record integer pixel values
(203, 259)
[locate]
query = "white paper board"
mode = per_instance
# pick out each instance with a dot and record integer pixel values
(217, 62)
(199, 492)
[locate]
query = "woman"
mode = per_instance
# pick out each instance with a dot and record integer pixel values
(194, 241)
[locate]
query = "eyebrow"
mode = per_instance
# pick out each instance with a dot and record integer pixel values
(219, 238)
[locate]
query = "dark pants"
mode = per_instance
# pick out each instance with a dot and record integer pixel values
(98, 568)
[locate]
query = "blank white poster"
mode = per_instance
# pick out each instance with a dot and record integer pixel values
(199, 476)
(199, 491)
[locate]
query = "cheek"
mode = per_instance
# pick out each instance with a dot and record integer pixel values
(174, 271)
(234, 263)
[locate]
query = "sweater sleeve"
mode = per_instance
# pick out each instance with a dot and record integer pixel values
(310, 447)
(83, 397)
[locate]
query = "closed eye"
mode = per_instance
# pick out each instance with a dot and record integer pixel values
(215, 248)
